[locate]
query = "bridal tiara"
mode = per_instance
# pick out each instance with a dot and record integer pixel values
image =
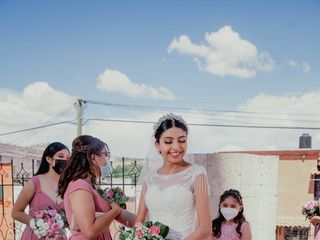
(169, 116)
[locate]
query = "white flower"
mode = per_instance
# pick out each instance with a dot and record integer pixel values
(43, 233)
(58, 216)
(36, 232)
(61, 223)
(40, 222)
(32, 224)
(45, 226)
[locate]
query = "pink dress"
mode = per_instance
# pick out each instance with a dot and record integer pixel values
(100, 206)
(40, 201)
(229, 232)
(317, 237)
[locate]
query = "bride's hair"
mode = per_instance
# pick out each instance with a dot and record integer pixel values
(239, 219)
(168, 121)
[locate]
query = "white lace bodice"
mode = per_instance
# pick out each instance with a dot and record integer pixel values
(170, 200)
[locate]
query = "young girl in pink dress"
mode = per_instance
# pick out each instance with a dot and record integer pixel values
(231, 223)
(88, 214)
(41, 191)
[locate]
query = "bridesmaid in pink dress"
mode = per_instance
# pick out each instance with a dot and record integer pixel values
(78, 188)
(231, 223)
(41, 191)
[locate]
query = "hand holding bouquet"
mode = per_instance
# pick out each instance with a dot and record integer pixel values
(114, 195)
(48, 224)
(311, 209)
(149, 231)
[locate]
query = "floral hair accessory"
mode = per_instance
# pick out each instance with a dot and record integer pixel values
(168, 116)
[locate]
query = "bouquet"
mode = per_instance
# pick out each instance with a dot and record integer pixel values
(48, 224)
(149, 231)
(114, 195)
(311, 209)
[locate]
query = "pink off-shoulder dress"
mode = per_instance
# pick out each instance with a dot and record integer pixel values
(40, 201)
(100, 206)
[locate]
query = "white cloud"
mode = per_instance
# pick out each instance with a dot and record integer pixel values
(304, 66)
(36, 105)
(39, 103)
(115, 81)
(292, 63)
(225, 53)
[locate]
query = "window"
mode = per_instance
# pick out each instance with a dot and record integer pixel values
(296, 233)
(292, 233)
(316, 186)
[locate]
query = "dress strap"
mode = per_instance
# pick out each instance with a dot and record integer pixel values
(36, 183)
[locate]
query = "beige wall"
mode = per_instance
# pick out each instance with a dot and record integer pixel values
(293, 190)
(255, 176)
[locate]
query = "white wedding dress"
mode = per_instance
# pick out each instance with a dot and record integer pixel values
(170, 200)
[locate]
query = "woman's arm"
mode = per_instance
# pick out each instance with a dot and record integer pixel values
(83, 209)
(315, 220)
(246, 232)
(22, 202)
(202, 200)
(126, 218)
(142, 209)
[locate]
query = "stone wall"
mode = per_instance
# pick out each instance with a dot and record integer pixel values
(256, 177)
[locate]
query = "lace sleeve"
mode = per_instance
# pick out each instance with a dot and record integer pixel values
(147, 180)
(200, 181)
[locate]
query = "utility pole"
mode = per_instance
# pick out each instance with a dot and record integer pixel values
(79, 103)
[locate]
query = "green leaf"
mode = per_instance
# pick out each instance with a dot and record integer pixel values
(124, 235)
(164, 230)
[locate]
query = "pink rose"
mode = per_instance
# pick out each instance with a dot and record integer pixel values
(310, 205)
(51, 233)
(39, 214)
(55, 227)
(110, 193)
(52, 212)
(154, 230)
(139, 233)
(51, 221)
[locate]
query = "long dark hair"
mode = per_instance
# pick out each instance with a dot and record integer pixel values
(50, 150)
(169, 123)
(80, 165)
(239, 219)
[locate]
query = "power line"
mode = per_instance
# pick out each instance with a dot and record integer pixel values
(130, 106)
(150, 122)
(208, 124)
(33, 133)
(33, 128)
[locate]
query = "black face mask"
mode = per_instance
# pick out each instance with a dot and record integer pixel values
(59, 165)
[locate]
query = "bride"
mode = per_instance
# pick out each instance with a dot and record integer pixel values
(175, 194)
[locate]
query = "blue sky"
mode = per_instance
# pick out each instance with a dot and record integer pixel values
(258, 56)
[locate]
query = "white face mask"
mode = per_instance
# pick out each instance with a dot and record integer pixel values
(229, 213)
(103, 169)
